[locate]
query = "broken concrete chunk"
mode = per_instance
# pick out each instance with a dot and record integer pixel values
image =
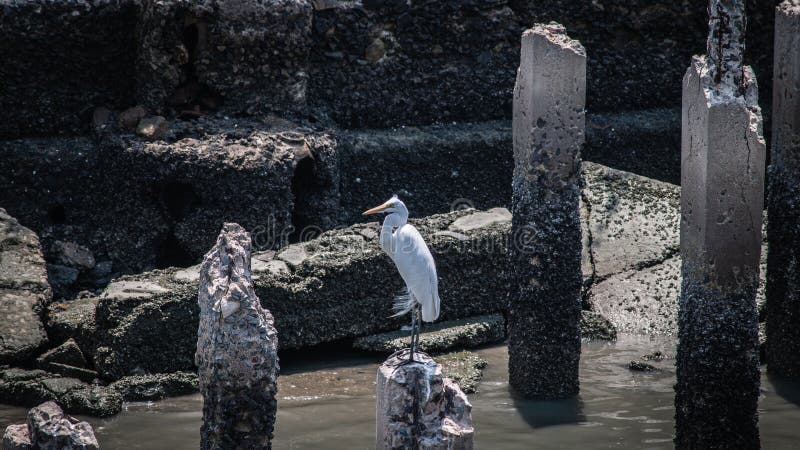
(156, 386)
(595, 326)
(123, 290)
(465, 368)
(294, 255)
(481, 219)
(442, 336)
(67, 353)
(153, 128)
(31, 387)
(632, 221)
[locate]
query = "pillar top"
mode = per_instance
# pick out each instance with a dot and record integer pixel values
(557, 34)
(789, 7)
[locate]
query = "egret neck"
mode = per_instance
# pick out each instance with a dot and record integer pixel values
(391, 223)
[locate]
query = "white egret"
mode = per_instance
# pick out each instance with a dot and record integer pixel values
(405, 246)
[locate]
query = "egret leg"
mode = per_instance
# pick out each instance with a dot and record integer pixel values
(414, 332)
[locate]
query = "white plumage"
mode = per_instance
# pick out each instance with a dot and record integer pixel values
(403, 243)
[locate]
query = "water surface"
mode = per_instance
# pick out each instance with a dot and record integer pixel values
(327, 401)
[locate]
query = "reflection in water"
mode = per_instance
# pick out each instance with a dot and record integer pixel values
(327, 400)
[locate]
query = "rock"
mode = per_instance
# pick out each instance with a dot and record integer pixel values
(595, 326)
(237, 349)
(62, 279)
(164, 201)
(23, 291)
(67, 360)
(439, 168)
(633, 221)
(103, 269)
(418, 408)
(294, 255)
(68, 371)
(101, 117)
(156, 386)
(66, 62)
(131, 289)
(188, 275)
(481, 219)
(442, 336)
(157, 334)
(74, 319)
(234, 43)
(17, 437)
(375, 51)
(129, 119)
(641, 301)
(640, 366)
(50, 428)
(655, 356)
(73, 255)
(153, 128)
(464, 368)
(31, 387)
(67, 353)
(305, 302)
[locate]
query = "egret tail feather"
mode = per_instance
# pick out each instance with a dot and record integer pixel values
(403, 304)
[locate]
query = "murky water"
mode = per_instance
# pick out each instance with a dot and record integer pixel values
(327, 401)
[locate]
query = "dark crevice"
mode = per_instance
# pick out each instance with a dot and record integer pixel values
(178, 200)
(304, 187)
(171, 254)
(193, 99)
(56, 215)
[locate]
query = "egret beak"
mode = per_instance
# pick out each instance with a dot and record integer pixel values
(377, 209)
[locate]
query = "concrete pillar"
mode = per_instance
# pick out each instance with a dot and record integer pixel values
(783, 228)
(418, 409)
(545, 247)
(722, 180)
(237, 349)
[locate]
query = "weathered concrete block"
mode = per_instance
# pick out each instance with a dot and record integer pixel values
(439, 337)
(246, 56)
(24, 291)
(783, 228)
(307, 297)
(61, 60)
(237, 349)
(163, 202)
(545, 244)
(156, 386)
(417, 408)
(436, 169)
(723, 157)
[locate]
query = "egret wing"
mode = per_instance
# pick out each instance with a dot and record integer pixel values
(415, 264)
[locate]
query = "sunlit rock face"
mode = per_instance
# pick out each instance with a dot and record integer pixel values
(237, 349)
(24, 291)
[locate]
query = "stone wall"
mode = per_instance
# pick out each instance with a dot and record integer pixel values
(352, 63)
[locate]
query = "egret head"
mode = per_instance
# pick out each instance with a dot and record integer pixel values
(392, 206)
